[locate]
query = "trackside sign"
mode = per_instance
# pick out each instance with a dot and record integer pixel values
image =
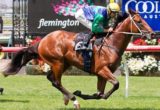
(148, 9)
(45, 16)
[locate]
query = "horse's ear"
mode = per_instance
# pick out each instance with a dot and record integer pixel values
(137, 11)
(132, 12)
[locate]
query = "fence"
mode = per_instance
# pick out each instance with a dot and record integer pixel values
(134, 48)
(11, 49)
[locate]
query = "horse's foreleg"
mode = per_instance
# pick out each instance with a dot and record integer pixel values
(101, 83)
(55, 77)
(103, 76)
(107, 74)
(115, 87)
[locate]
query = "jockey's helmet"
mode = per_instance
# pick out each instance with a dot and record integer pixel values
(114, 7)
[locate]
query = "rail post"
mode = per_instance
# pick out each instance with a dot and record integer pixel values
(126, 72)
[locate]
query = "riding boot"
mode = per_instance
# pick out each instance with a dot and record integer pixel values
(91, 34)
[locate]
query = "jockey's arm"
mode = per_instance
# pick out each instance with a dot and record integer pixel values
(108, 30)
(97, 25)
(112, 24)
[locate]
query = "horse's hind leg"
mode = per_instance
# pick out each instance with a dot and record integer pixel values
(55, 77)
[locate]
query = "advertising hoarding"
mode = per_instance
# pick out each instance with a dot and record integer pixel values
(148, 9)
(45, 16)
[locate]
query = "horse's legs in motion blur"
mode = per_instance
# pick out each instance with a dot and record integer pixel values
(55, 77)
(107, 74)
(104, 75)
(101, 84)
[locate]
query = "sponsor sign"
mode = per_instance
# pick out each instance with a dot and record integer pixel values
(45, 16)
(148, 9)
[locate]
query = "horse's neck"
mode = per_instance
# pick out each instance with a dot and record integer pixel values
(119, 41)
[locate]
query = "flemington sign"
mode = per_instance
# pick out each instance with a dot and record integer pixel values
(57, 23)
(45, 16)
(148, 9)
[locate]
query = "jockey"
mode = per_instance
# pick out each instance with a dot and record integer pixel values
(98, 19)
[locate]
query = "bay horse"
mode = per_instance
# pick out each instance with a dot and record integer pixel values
(57, 50)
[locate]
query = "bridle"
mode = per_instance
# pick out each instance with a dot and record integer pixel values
(141, 32)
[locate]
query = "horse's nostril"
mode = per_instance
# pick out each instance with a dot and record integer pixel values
(153, 33)
(148, 36)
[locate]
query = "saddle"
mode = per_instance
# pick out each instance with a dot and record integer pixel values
(82, 38)
(87, 51)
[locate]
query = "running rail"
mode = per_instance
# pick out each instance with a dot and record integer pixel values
(11, 49)
(144, 48)
(131, 47)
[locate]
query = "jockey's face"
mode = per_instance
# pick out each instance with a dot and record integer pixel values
(112, 14)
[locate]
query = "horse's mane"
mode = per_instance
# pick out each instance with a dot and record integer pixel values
(121, 17)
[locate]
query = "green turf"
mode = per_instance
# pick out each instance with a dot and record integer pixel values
(36, 93)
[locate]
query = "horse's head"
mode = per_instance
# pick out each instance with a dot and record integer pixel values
(138, 25)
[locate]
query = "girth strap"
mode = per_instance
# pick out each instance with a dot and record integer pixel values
(87, 59)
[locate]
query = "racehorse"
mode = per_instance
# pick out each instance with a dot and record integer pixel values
(57, 50)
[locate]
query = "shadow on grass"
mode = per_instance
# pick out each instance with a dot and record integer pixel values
(107, 109)
(9, 100)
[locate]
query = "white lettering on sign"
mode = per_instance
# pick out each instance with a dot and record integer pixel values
(150, 9)
(61, 23)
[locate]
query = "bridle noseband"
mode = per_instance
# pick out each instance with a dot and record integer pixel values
(141, 32)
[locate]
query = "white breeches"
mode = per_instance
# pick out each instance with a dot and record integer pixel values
(82, 19)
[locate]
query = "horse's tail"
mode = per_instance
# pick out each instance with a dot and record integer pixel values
(20, 59)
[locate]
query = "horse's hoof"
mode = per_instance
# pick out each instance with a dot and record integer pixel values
(77, 93)
(76, 105)
(1, 90)
(66, 100)
(98, 95)
(104, 97)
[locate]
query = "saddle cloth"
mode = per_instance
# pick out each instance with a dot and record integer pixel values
(87, 52)
(82, 38)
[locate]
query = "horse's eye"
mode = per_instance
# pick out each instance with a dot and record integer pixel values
(139, 21)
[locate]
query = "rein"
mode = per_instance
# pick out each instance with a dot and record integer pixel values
(129, 33)
(141, 33)
(132, 33)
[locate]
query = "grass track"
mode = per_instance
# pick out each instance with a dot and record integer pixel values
(36, 93)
